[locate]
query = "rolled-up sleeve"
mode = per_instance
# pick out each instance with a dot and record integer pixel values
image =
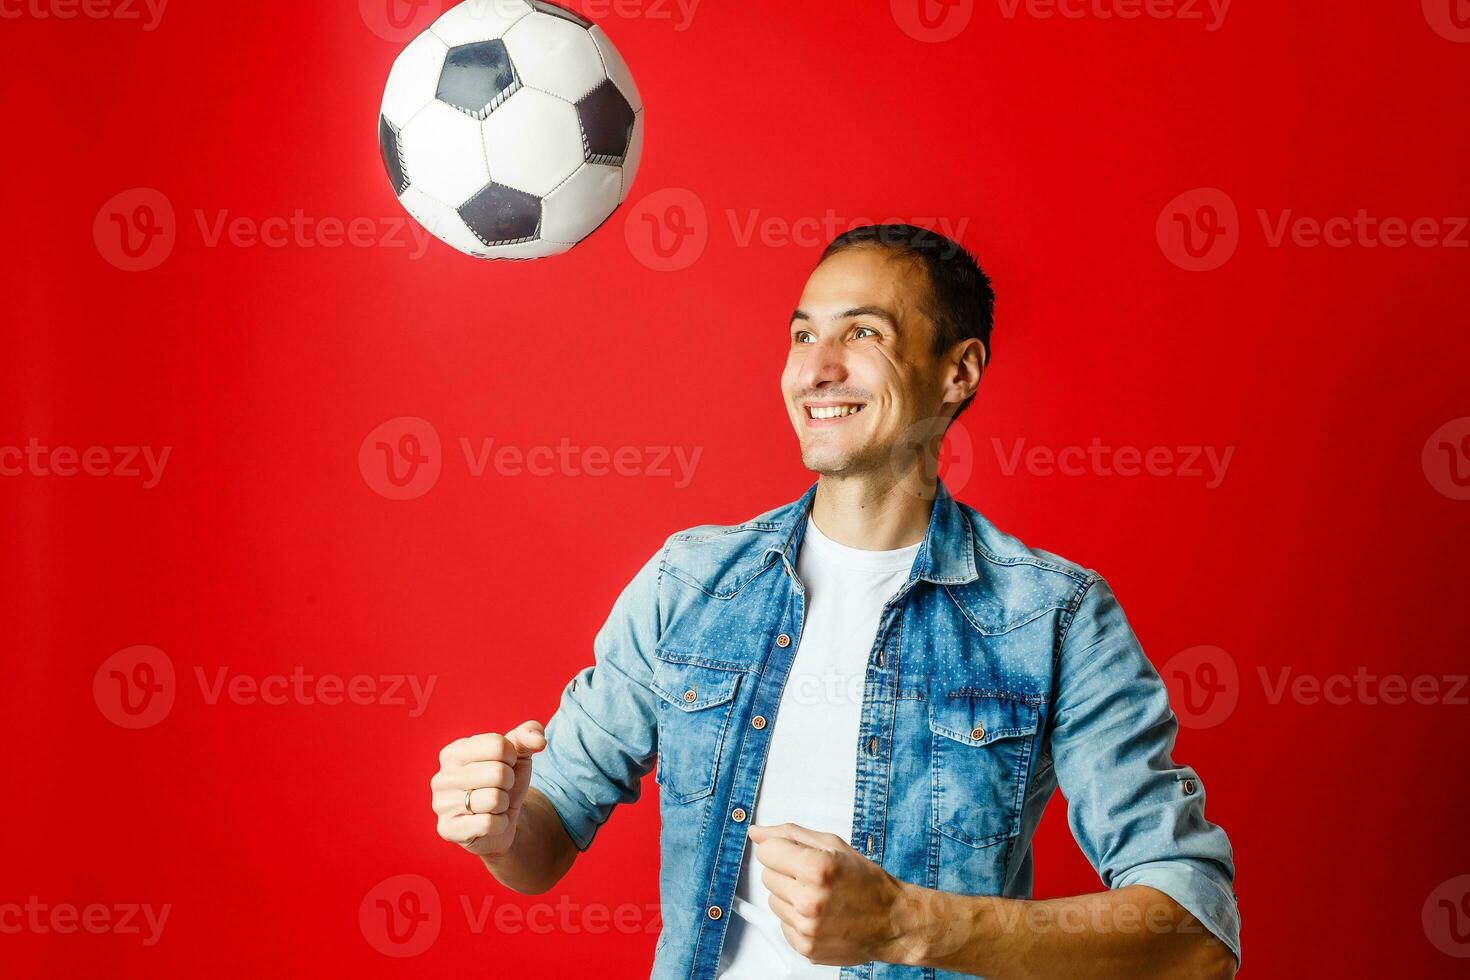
(1137, 814)
(603, 737)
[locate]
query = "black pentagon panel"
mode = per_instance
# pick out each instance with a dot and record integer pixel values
(607, 124)
(477, 77)
(392, 158)
(562, 12)
(501, 215)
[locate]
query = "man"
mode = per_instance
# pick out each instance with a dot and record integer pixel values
(878, 691)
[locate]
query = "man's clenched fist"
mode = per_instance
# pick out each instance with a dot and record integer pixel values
(481, 783)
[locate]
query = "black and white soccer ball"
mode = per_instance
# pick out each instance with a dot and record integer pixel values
(511, 129)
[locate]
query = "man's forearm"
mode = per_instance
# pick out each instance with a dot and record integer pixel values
(542, 852)
(1136, 932)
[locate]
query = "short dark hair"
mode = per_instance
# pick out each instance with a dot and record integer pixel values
(960, 302)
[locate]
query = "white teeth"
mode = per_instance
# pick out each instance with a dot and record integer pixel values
(834, 411)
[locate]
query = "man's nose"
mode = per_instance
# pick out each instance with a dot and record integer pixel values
(825, 362)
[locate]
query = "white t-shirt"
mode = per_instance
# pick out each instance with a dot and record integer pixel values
(811, 770)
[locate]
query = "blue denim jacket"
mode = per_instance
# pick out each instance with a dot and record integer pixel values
(998, 674)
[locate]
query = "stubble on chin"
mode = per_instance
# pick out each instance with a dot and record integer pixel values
(823, 459)
(834, 460)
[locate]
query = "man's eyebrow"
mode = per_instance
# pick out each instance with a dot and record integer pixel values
(856, 311)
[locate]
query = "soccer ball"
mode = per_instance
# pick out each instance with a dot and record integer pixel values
(511, 129)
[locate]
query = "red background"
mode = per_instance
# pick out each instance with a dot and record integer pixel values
(1058, 141)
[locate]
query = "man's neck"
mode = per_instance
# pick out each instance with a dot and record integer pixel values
(870, 514)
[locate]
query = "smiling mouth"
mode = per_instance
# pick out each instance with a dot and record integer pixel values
(822, 413)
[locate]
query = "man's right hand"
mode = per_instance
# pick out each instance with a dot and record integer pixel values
(491, 773)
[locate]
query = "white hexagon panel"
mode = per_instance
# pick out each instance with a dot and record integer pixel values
(511, 128)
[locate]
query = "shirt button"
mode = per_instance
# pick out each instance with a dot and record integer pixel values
(977, 733)
(738, 814)
(1189, 787)
(714, 912)
(689, 695)
(873, 746)
(783, 640)
(880, 658)
(870, 843)
(759, 721)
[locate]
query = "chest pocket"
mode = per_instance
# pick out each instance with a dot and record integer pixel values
(695, 702)
(982, 743)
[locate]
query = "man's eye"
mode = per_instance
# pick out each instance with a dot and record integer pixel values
(802, 337)
(865, 330)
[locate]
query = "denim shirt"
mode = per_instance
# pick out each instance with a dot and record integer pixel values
(999, 673)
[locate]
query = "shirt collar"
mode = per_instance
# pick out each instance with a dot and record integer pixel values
(946, 557)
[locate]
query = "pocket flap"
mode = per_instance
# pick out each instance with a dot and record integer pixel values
(981, 717)
(691, 687)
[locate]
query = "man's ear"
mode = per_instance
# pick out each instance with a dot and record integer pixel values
(965, 367)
